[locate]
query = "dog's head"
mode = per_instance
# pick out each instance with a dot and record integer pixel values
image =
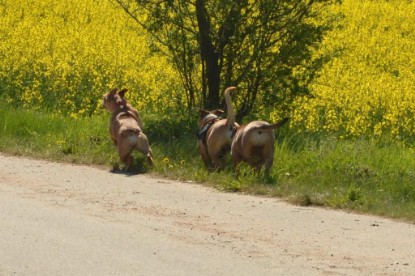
(114, 100)
(206, 116)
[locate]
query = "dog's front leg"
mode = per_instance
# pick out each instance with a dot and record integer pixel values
(114, 141)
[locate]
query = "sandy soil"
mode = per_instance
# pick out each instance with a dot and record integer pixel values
(60, 219)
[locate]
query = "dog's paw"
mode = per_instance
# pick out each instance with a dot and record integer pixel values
(115, 167)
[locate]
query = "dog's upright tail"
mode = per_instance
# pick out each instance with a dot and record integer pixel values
(230, 120)
(276, 125)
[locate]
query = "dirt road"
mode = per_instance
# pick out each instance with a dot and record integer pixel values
(60, 219)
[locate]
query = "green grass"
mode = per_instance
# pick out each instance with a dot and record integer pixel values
(360, 175)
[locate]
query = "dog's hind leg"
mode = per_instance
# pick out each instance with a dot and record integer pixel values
(268, 157)
(124, 152)
(237, 159)
(221, 157)
(144, 147)
(205, 155)
(268, 164)
(149, 157)
(217, 162)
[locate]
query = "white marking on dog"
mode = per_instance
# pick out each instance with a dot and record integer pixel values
(210, 117)
(133, 139)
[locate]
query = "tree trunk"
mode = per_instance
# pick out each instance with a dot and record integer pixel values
(209, 56)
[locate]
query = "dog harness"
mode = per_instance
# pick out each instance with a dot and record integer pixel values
(124, 113)
(201, 135)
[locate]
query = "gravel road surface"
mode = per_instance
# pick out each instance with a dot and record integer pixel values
(62, 219)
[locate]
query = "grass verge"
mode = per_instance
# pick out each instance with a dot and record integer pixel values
(360, 175)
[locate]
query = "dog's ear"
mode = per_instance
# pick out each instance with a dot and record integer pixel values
(122, 92)
(218, 112)
(203, 113)
(113, 91)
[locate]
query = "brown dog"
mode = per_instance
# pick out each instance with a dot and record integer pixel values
(215, 134)
(126, 127)
(254, 144)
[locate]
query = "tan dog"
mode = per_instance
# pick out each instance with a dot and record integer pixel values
(126, 127)
(254, 144)
(215, 134)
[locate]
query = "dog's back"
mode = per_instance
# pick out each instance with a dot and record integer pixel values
(215, 134)
(254, 144)
(126, 127)
(255, 135)
(123, 122)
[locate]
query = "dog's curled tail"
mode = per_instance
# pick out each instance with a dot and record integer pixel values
(276, 125)
(230, 120)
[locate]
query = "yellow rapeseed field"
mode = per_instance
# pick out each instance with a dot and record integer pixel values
(63, 55)
(368, 88)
